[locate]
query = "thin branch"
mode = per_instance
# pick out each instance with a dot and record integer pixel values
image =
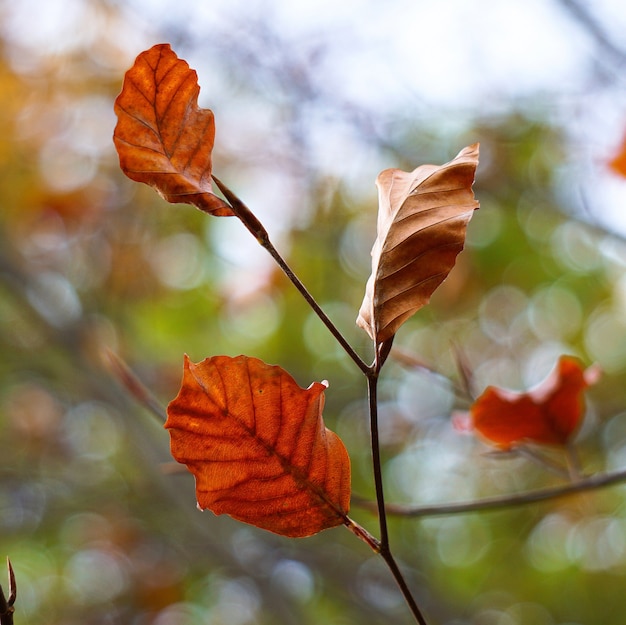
(385, 550)
(254, 226)
(401, 582)
(360, 363)
(409, 360)
(573, 463)
(584, 17)
(542, 461)
(372, 395)
(594, 482)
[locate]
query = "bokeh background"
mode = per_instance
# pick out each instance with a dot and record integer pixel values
(312, 100)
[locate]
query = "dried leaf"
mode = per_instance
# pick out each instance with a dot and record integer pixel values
(258, 448)
(549, 414)
(422, 220)
(162, 137)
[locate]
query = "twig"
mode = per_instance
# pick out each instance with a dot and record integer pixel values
(7, 605)
(385, 550)
(593, 27)
(372, 391)
(401, 582)
(542, 461)
(593, 482)
(410, 361)
(573, 463)
(254, 226)
(361, 364)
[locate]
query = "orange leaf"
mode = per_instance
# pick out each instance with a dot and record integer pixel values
(618, 162)
(258, 448)
(549, 414)
(162, 137)
(422, 220)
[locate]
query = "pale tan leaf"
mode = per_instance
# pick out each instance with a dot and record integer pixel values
(422, 221)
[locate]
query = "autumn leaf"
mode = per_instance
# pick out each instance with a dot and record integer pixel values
(422, 220)
(618, 162)
(257, 445)
(162, 137)
(549, 414)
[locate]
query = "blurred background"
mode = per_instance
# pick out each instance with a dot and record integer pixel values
(312, 100)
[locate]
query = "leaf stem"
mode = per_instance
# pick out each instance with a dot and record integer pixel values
(385, 551)
(360, 532)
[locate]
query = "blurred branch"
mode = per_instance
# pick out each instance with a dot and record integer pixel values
(593, 482)
(584, 17)
(135, 386)
(409, 360)
(541, 460)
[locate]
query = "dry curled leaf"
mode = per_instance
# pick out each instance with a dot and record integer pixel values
(162, 137)
(422, 220)
(258, 448)
(548, 414)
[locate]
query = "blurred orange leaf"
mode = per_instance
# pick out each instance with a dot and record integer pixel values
(422, 220)
(257, 445)
(162, 137)
(618, 162)
(549, 414)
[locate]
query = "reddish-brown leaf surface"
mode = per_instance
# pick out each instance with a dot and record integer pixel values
(549, 414)
(422, 220)
(162, 137)
(257, 446)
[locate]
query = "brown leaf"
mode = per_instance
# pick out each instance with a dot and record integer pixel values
(162, 137)
(422, 220)
(548, 414)
(258, 448)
